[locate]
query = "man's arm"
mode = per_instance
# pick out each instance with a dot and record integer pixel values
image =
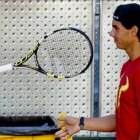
(102, 124)
(71, 124)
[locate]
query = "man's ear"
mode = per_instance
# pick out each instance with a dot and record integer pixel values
(134, 30)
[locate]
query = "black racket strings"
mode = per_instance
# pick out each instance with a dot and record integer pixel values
(64, 53)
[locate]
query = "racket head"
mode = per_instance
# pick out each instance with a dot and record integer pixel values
(64, 53)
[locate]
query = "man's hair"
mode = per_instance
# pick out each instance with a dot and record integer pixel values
(129, 16)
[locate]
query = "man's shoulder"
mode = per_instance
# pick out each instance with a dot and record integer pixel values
(125, 64)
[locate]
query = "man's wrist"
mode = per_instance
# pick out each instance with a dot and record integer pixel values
(81, 123)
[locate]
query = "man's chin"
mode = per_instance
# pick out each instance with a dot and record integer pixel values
(119, 47)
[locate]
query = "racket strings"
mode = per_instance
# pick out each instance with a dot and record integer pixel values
(64, 53)
(63, 61)
(67, 59)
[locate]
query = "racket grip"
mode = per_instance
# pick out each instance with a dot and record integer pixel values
(5, 68)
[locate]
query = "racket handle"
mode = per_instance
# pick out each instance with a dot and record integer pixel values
(5, 68)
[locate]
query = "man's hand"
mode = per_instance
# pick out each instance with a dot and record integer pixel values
(71, 126)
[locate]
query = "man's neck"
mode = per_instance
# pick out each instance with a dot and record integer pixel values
(134, 51)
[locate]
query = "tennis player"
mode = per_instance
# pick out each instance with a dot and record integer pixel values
(126, 121)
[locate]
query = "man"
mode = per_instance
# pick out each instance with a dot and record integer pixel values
(126, 121)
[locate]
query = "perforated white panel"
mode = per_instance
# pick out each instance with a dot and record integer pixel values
(112, 60)
(26, 92)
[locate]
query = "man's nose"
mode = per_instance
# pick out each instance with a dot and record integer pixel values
(112, 33)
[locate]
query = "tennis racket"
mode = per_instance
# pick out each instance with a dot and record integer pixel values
(63, 53)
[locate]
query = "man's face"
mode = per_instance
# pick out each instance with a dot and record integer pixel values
(122, 36)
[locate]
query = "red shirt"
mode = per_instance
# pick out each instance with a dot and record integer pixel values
(128, 102)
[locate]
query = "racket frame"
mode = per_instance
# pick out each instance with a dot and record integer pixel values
(34, 51)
